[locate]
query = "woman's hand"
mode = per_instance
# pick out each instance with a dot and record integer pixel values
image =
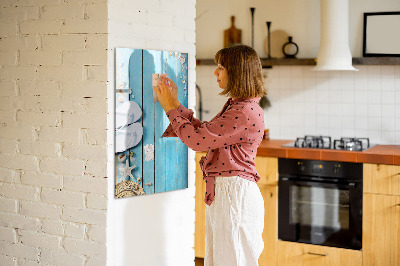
(174, 91)
(164, 95)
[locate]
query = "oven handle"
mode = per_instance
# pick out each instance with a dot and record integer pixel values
(297, 181)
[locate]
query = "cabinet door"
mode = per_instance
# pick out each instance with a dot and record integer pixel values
(200, 227)
(270, 233)
(267, 168)
(381, 179)
(381, 230)
(297, 254)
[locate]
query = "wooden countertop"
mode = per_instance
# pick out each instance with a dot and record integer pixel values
(379, 154)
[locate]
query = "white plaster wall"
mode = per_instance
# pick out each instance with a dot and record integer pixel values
(156, 229)
(338, 104)
(299, 18)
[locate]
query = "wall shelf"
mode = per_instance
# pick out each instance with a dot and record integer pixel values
(265, 62)
(312, 61)
(376, 61)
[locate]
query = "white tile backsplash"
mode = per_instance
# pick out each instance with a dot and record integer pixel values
(388, 84)
(361, 110)
(348, 95)
(347, 110)
(322, 121)
(360, 97)
(310, 108)
(387, 111)
(388, 97)
(364, 103)
(390, 136)
(322, 108)
(374, 83)
(374, 110)
(348, 123)
(387, 71)
(374, 97)
(397, 95)
(397, 72)
(322, 95)
(374, 123)
(387, 124)
(361, 124)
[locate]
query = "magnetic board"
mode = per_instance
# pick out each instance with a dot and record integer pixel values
(145, 163)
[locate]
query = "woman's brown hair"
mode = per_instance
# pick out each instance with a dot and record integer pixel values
(245, 78)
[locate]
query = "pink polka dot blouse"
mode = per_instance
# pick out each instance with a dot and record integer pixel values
(231, 139)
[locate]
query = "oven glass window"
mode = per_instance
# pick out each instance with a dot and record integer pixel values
(318, 207)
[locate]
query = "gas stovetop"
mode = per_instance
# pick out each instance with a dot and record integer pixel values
(325, 142)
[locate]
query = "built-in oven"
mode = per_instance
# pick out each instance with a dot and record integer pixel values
(320, 202)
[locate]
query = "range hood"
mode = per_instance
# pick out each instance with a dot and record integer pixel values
(334, 51)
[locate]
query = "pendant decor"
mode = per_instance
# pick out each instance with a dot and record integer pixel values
(145, 163)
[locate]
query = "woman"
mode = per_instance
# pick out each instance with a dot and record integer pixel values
(235, 208)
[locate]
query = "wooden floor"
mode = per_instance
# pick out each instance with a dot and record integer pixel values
(199, 262)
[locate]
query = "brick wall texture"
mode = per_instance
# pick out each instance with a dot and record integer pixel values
(53, 111)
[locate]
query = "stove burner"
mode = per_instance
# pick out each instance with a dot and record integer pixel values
(324, 142)
(308, 141)
(351, 144)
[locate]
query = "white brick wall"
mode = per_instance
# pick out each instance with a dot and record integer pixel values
(75, 230)
(8, 234)
(53, 132)
(53, 74)
(62, 258)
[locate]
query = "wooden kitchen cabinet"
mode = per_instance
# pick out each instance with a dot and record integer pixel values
(381, 179)
(381, 216)
(200, 207)
(381, 230)
(270, 233)
(267, 168)
(298, 254)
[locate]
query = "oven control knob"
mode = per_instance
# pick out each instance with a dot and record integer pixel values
(302, 167)
(336, 169)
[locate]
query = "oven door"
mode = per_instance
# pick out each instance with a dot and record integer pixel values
(321, 212)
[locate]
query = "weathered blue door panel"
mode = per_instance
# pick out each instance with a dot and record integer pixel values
(160, 163)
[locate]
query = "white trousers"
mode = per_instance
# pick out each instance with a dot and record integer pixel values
(234, 223)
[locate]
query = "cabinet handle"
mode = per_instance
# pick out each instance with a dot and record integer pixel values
(398, 204)
(318, 254)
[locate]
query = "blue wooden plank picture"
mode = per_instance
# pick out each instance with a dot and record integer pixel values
(145, 163)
